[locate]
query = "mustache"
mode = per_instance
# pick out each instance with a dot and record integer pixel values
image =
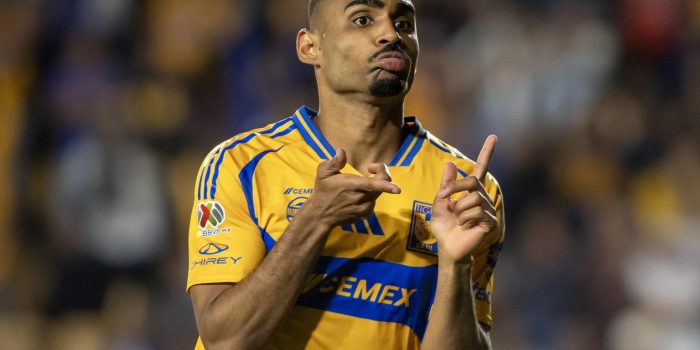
(396, 46)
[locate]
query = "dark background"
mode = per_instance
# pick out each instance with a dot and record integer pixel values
(107, 108)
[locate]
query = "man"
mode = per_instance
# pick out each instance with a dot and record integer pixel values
(300, 239)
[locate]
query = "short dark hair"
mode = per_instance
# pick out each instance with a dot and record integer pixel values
(313, 5)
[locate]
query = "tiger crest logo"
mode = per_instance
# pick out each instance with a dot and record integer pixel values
(420, 239)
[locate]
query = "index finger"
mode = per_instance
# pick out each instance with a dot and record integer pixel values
(377, 185)
(482, 162)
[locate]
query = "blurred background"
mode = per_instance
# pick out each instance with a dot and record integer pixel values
(107, 107)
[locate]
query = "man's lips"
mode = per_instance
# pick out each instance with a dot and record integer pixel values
(393, 62)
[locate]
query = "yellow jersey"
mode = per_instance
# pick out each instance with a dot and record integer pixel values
(374, 284)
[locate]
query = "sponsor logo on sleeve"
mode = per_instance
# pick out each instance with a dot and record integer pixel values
(224, 260)
(214, 249)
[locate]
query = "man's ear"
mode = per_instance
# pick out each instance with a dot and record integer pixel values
(307, 47)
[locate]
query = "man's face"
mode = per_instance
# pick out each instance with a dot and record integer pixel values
(367, 46)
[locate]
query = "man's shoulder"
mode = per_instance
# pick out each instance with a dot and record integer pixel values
(442, 149)
(240, 149)
(443, 152)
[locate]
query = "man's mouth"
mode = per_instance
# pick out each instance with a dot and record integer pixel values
(393, 62)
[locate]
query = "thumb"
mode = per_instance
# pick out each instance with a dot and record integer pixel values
(332, 166)
(380, 171)
(449, 175)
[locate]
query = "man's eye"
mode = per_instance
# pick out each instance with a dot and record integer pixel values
(362, 21)
(404, 26)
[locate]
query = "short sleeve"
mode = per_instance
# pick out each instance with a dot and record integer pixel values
(486, 257)
(225, 245)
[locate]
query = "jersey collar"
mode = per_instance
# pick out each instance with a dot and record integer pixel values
(318, 143)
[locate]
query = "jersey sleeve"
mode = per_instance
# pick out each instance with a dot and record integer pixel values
(225, 245)
(486, 257)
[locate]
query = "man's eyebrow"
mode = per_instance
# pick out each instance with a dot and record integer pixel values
(370, 3)
(405, 6)
(401, 7)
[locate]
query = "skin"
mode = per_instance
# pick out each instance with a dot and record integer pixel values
(343, 47)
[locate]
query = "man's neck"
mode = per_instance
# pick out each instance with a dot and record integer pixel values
(368, 133)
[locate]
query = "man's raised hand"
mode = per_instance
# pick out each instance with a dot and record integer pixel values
(460, 225)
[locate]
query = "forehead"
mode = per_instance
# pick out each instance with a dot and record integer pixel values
(342, 5)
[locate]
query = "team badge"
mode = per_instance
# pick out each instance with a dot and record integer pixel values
(294, 206)
(420, 239)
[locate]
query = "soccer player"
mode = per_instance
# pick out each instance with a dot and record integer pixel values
(350, 227)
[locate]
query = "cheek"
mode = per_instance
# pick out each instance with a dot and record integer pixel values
(346, 59)
(345, 56)
(413, 48)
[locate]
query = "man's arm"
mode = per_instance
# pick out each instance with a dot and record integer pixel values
(453, 323)
(460, 227)
(246, 315)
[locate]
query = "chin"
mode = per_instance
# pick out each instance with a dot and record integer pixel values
(387, 87)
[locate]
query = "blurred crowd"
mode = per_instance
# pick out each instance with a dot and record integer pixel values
(107, 107)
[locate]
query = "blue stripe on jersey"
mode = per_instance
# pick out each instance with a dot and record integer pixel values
(306, 113)
(361, 227)
(373, 289)
(246, 178)
(439, 147)
(443, 148)
(402, 149)
(267, 239)
(211, 161)
(416, 147)
(284, 132)
(212, 193)
(347, 228)
(270, 130)
(374, 225)
(308, 139)
(435, 143)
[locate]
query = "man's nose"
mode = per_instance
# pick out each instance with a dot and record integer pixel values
(388, 34)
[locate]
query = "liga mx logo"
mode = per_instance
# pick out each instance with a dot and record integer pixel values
(420, 239)
(210, 213)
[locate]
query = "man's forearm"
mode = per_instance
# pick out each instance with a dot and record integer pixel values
(246, 315)
(453, 323)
